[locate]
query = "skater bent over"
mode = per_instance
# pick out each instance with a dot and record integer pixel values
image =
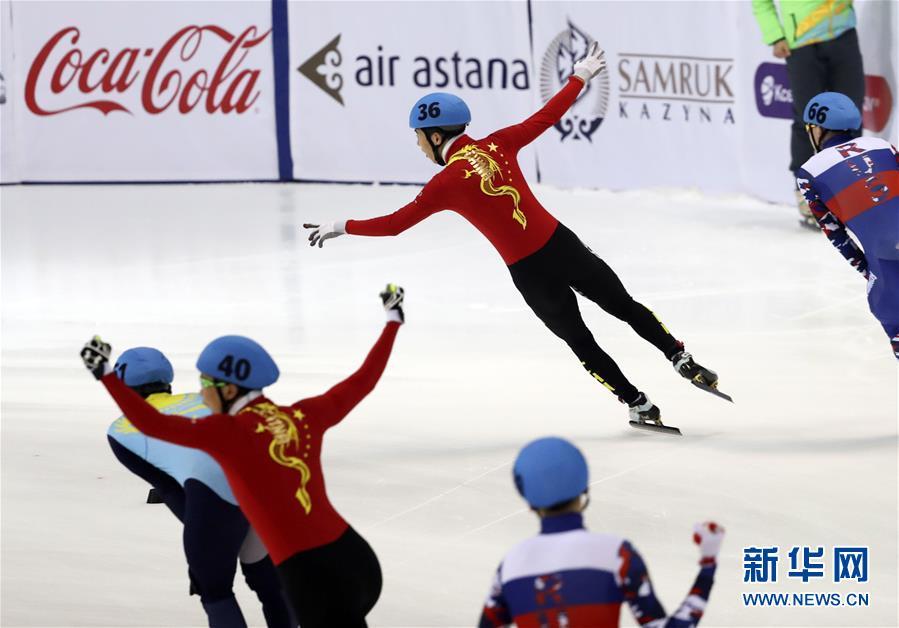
(567, 576)
(481, 181)
(854, 182)
(216, 535)
(271, 456)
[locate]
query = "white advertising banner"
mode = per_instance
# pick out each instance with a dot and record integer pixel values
(8, 165)
(765, 127)
(666, 111)
(143, 91)
(358, 67)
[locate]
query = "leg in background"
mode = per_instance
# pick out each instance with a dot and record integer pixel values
(214, 532)
(262, 578)
(595, 280)
(555, 304)
(166, 486)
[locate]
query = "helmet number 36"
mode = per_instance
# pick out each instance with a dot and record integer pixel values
(239, 368)
(816, 113)
(426, 111)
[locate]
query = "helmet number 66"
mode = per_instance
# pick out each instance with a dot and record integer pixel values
(819, 114)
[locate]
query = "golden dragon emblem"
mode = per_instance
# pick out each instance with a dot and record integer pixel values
(490, 172)
(284, 434)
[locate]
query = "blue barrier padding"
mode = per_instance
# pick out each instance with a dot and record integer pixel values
(281, 53)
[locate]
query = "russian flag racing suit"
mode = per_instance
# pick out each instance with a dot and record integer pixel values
(567, 576)
(854, 183)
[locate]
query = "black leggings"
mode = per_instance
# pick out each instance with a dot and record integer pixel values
(333, 585)
(545, 280)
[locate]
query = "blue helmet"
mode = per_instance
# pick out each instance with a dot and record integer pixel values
(144, 365)
(550, 471)
(238, 360)
(439, 109)
(832, 110)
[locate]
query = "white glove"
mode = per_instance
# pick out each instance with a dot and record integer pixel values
(392, 298)
(708, 536)
(95, 356)
(325, 231)
(592, 64)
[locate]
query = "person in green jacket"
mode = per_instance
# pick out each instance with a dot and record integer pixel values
(818, 41)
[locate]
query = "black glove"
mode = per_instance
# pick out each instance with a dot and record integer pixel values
(95, 355)
(153, 497)
(392, 298)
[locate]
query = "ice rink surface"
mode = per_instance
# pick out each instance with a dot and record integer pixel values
(806, 456)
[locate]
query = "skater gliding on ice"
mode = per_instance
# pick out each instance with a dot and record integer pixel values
(271, 456)
(854, 182)
(482, 182)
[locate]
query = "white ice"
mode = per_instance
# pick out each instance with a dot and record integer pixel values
(806, 456)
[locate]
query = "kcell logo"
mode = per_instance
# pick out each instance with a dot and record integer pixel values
(101, 79)
(878, 105)
(674, 87)
(773, 96)
(589, 110)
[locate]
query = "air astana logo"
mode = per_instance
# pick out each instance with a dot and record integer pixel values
(285, 437)
(589, 110)
(65, 75)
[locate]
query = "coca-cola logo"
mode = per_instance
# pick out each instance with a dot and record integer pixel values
(62, 72)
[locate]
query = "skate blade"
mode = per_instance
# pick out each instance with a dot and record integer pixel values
(659, 429)
(712, 389)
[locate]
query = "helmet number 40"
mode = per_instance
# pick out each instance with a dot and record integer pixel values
(240, 368)
(428, 111)
(819, 114)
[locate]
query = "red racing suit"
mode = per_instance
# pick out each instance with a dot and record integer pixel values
(271, 454)
(483, 183)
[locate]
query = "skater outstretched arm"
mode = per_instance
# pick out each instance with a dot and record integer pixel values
(519, 135)
(426, 203)
(832, 226)
(640, 596)
(199, 434)
(332, 406)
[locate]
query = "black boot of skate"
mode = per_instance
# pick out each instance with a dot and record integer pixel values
(645, 415)
(699, 376)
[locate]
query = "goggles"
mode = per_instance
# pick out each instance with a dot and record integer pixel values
(207, 382)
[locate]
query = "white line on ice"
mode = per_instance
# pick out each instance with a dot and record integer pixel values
(439, 496)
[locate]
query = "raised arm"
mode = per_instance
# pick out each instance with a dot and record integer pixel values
(522, 134)
(199, 434)
(832, 226)
(640, 596)
(336, 403)
(514, 137)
